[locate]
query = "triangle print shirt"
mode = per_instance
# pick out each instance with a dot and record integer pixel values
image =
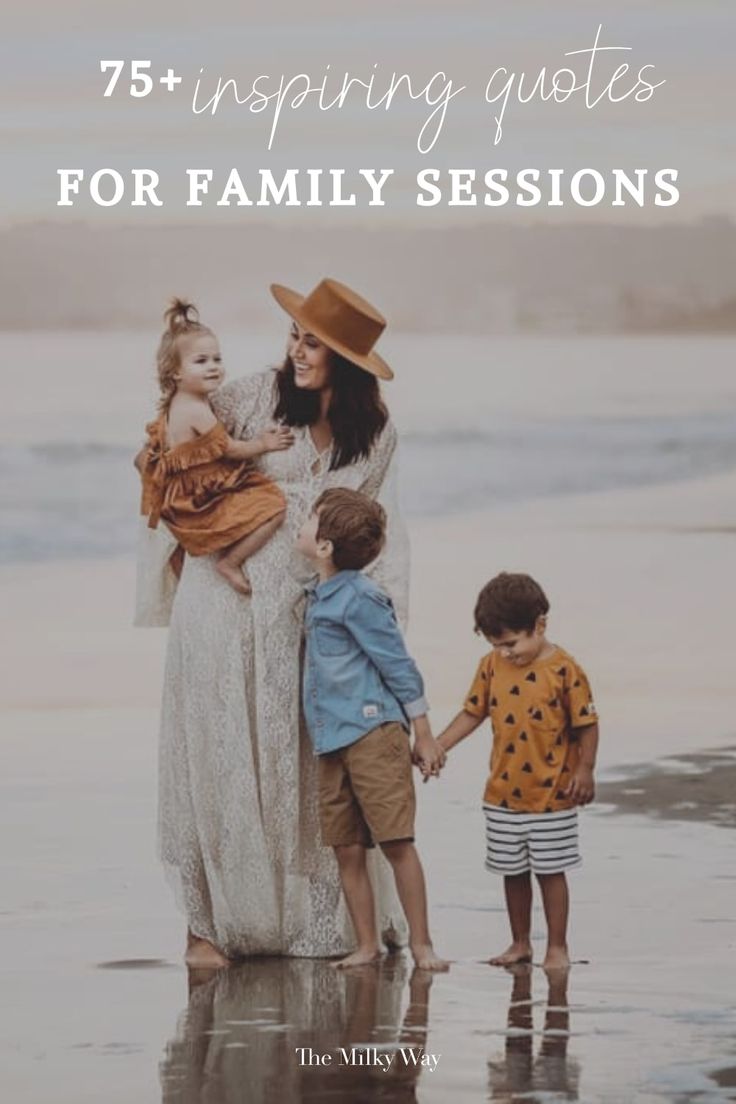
(536, 714)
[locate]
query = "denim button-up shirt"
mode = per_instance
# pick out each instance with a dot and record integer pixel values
(358, 674)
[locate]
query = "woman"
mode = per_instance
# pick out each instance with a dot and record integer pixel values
(237, 815)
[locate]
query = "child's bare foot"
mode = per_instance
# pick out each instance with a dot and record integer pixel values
(202, 955)
(425, 958)
(234, 576)
(556, 958)
(364, 956)
(513, 955)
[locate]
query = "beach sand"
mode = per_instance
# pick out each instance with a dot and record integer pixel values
(639, 586)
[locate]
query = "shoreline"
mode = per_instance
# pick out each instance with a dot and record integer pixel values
(630, 575)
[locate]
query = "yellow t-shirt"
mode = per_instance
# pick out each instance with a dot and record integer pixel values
(535, 712)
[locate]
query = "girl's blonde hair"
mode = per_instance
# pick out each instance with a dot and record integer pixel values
(181, 320)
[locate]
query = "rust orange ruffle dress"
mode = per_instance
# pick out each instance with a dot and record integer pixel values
(207, 500)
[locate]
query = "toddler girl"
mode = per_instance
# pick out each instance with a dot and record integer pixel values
(195, 476)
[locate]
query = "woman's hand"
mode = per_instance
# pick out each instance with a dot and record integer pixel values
(277, 439)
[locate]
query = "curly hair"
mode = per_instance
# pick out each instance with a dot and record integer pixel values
(509, 602)
(181, 320)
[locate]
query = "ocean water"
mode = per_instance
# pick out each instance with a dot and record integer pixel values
(482, 421)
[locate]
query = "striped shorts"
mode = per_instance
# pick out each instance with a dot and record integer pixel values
(545, 843)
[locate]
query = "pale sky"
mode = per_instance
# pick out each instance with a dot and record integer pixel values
(53, 113)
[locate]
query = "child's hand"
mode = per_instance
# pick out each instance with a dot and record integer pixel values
(277, 439)
(582, 787)
(426, 770)
(428, 756)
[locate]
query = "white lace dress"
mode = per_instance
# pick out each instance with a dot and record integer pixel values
(238, 826)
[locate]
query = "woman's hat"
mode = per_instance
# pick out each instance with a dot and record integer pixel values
(340, 318)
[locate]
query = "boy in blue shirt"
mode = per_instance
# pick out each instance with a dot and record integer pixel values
(362, 691)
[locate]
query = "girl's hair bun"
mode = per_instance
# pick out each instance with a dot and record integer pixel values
(180, 320)
(180, 316)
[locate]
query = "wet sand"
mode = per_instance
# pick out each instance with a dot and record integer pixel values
(699, 787)
(100, 1006)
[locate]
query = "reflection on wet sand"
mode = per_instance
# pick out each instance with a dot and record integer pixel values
(519, 1075)
(239, 1036)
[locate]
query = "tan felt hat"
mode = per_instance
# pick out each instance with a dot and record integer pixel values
(340, 318)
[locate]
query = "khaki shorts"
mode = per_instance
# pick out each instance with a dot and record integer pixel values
(366, 790)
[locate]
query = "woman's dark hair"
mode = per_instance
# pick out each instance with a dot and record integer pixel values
(510, 602)
(357, 413)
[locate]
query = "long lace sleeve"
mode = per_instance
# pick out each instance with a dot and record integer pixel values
(391, 570)
(155, 582)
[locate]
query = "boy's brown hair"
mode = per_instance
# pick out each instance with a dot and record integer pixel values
(354, 523)
(509, 602)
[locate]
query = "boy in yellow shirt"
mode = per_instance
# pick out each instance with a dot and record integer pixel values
(545, 738)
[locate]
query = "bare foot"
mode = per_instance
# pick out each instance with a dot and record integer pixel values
(204, 956)
(513, 955)
(234, 576)
(364, 956)
(556, 958)
(425, 958)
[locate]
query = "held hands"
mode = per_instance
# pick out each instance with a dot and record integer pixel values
(428, 755)
(582, 787)
(277, 439)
